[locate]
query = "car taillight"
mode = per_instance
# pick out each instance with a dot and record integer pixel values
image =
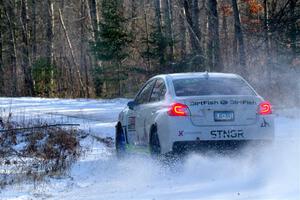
(265, 108)
(178, 109)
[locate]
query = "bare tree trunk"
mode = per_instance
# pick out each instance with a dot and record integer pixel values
(72, 54)
(169, 28)
(158, 14)
(91, 6)
(133, 16)
(239, 37)
(1, 47)
(26, 66)
(214, 57)
(235, 52)
(182, 35)
(83, 50)
(191, 8)
(158, 25)
(49, 30)
(33, 27)
(266, 27)
(93, 14)
(49, 40)
(147, 38)
(1, 65)
(65, 81)
(119, 79)
(195, 17)
(267, 41)
(10, 15)
(226, 38)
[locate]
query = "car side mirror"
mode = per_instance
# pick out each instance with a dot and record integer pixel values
(131, 104)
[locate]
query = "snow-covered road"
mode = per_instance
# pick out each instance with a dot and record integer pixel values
(271, 173)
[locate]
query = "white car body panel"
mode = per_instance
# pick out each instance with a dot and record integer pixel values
(200, 126)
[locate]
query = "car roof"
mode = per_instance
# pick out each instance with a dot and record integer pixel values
(198, 74)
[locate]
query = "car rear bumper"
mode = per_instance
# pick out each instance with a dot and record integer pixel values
(177, 130)
(217, 146)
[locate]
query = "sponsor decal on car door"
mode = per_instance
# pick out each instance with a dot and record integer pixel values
(141, 111)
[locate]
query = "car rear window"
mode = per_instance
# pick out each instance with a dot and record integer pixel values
(211, 86)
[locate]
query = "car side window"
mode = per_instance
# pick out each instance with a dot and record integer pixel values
(144, 95)
(159, 91)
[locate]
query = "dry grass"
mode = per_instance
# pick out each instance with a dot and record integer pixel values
(34, 153)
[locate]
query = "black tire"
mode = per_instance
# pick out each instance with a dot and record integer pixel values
(120, 141)
(155, 149)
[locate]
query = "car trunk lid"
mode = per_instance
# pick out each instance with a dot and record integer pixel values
(223, 110)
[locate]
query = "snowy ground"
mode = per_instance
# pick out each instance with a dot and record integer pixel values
(271, 173)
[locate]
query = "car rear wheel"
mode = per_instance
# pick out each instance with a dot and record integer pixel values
(120, 141)
(155, 149)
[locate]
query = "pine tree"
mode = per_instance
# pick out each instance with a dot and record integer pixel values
(110, 45)
(156, 52)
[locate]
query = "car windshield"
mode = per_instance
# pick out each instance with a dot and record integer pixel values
(211, 86)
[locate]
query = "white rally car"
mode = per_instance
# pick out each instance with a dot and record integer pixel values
(174, 112)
